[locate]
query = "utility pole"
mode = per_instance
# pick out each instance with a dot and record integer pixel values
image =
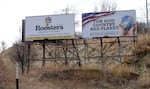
(147, 16)
(66, 10)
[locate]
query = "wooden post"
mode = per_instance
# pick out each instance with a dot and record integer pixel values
(76, 49)
(78, 52)
(135, 56)
(43, 63)
(119, 49)
(101, 42)
(86, 51)
(28, 59)
(65, 52)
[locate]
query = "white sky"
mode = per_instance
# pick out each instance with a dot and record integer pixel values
(13, 11)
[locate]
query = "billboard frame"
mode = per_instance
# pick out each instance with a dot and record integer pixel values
(93, 16)
(67, 31)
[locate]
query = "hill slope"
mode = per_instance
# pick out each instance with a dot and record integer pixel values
(135, 75)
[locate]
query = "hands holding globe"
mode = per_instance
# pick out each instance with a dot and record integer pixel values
(127, 26)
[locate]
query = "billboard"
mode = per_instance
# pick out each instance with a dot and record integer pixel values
(109, 24)
(49, 27)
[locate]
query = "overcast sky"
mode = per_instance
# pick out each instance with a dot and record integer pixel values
(13, 11)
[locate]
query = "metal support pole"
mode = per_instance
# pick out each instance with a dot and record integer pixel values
(17, 76)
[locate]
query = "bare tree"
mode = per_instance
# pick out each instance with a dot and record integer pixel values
(108, 6)
(21, 55)
(71, 10)
(3, 46)
(95, 8)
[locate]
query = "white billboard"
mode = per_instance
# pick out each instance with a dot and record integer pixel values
(49, 27)
(109, 24)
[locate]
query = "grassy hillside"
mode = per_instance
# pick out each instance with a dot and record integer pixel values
(128, 75)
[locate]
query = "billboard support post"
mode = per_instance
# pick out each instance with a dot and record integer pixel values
(65, 53)
(101, 42)
(77, 51)
(43, 63)
(119, 49)
(28, 57)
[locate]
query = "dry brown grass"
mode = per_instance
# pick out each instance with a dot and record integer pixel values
(87, 77)
(7, 71)
(115, 76)
(143, 44)
(121, 68)
(92, 76)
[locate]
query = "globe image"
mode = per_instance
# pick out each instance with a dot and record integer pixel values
(127, 22)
